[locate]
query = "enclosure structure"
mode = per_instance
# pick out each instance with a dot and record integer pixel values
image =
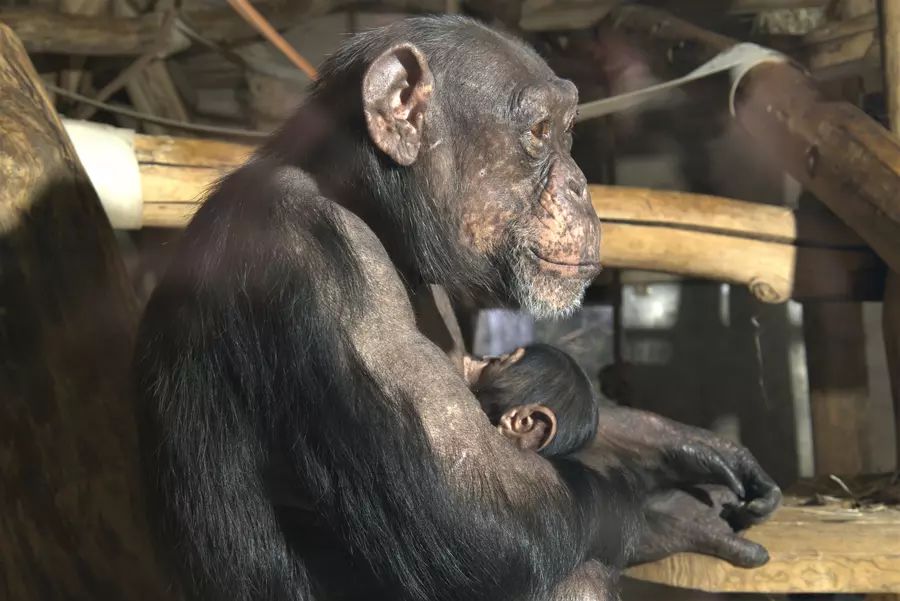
(825, 259)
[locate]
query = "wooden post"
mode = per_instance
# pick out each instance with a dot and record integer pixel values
(46, 31)
(152, 90)
(838, 385)
(776, 252)
(849, 161)
(71, 514)
(891, 310)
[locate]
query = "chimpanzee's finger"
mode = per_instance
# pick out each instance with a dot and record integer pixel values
(763, 495)
(733, 548)
(700, 464)
(765, 505)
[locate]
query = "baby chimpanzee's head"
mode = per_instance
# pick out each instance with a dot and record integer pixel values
(538, 397)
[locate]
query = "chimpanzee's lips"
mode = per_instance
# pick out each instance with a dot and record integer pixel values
(584, 269)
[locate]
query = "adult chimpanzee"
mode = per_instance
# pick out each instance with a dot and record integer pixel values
(301, 438)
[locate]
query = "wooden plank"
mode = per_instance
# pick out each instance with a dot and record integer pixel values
(181, 170)
(850, 42)
(72, 520)
(71, 78)
(46, 31)
(838, 385)
(223, 25)
(722, 215)
(774, 272)
(778, 253)
(190, 152)
(152, 90)
(834, 149)
(891, 310)
(813, 550)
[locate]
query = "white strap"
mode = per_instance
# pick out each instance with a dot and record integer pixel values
(739, 59)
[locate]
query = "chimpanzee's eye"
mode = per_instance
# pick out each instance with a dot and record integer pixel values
(541, 130)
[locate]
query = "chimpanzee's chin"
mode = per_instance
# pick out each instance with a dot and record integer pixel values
(547, 295)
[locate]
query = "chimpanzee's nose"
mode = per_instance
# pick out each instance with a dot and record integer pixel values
(577, 184)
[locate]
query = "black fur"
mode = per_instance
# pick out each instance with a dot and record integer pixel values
(277, 466)
(547, 376)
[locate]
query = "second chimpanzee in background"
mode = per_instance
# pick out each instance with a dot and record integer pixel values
(537, 396)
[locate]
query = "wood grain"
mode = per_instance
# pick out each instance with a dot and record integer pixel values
(813, 550)
(46, 31)
(848, 160)
(778, 253)
(71, 512)
(891, 308)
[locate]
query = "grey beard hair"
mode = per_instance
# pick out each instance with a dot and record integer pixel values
(524, 283)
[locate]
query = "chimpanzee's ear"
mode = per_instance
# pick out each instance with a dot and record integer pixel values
(395, 94)
(529, 426)
(472, 368)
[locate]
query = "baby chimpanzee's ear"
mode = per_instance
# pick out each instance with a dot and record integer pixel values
(472, 369)
(530, 426)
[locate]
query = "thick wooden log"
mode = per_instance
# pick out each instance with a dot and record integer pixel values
(838, 385)
(226, 26)
(849, 161)
(891, 310)
(53, 32)
(812, 549)
(176, 172)
(152, 90)
(820, 541)
(780, 254)
(71, 513)
(842, 46)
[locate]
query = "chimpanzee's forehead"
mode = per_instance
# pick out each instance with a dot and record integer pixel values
(501, 77)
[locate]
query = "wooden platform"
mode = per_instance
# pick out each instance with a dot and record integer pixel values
(828, 549)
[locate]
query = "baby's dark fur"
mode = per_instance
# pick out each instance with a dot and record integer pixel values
(545, 375)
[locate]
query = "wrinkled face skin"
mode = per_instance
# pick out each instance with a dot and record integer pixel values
(494, 203)
(528, 205)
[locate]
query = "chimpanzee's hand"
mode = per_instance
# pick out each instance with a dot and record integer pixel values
(696, 520)
(682, 455)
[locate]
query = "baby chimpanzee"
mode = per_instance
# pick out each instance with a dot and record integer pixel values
(538, 397)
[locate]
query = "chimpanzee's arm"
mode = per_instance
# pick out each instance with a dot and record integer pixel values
(692, 455)
(383, 434)
(673, 520)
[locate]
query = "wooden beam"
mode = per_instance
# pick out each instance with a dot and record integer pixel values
(849, 161)
(812, 549)
(53, 32)
(842, 45)
(838, 385)
(223, 25)
(176, 172)
(754, 6)
(891, 310)
(779, 254)
(152, 90)
(71, 514)
(822, 540)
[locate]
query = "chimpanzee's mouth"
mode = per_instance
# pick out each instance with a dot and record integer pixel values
(587, 268)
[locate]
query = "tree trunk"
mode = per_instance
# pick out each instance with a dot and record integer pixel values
(72, 518)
